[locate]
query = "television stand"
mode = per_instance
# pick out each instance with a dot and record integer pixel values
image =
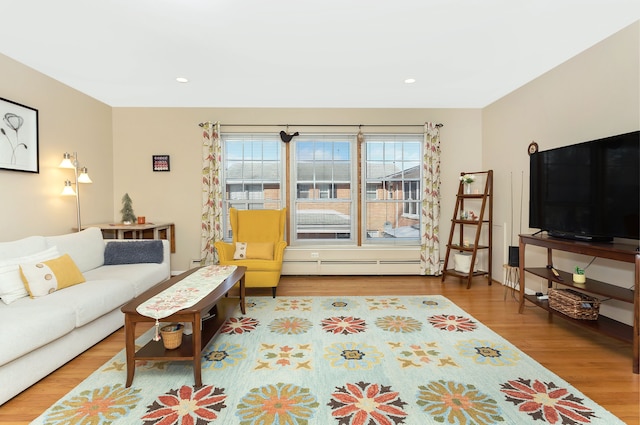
(612, 251)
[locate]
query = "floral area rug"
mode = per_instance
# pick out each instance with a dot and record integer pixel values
(337, 360)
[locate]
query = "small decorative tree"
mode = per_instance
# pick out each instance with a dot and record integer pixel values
(127, 210)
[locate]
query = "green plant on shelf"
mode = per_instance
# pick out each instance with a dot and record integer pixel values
(467, 178)
(579, 271)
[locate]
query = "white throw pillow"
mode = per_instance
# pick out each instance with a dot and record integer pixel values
(11, 285)
(241, 251)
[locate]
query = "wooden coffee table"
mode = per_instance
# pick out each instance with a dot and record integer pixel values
(216, 303)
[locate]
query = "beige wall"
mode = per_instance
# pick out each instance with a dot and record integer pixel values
(175, 196)
(595, 94)
(68, 121)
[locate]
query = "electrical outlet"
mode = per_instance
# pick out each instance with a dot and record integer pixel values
(315, 255)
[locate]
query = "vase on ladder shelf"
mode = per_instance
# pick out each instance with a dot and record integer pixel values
(466, 180)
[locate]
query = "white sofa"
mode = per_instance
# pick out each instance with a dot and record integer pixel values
(38, 335)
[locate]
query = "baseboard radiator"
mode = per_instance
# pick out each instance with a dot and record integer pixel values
(355, 261)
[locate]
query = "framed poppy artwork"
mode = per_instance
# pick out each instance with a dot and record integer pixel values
(18, 137)
(161, 163)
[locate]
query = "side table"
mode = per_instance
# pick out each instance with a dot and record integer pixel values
(138, 231)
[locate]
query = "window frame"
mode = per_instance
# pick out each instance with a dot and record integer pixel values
(326, 186)
(250, 201)
(389, 189)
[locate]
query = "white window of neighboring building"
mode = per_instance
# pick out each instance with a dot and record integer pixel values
(411, 197)
(323, 182)
(392, 171)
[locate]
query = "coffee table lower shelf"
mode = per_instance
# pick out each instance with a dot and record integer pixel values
(154, 350)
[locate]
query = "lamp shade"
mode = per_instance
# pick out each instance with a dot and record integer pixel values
(84, 176)
(66, 161)
(68, 190)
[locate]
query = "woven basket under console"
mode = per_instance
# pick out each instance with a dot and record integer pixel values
(574, 304)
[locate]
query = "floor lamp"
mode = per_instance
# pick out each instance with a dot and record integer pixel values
(80, 176)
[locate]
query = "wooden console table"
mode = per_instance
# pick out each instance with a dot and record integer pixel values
(612, 251)
(138, 231)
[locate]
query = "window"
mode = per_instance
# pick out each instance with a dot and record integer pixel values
(323, 178)
(393, 188)
(323, 185)
(252, 173)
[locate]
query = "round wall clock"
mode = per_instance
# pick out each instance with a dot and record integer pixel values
(533, 148)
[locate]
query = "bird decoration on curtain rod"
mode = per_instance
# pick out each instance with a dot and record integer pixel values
(286, 137)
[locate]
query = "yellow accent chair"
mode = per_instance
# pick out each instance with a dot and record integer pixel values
(258, 244)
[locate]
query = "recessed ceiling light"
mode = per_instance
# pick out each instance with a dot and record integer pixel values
(410, 80)
(182, 80)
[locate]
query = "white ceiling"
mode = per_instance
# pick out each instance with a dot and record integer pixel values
(295, 53)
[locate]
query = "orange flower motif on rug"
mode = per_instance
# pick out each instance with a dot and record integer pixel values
(547, 402)
(239, 325)
(452, 323)
(344, 325)
(186, 406)
(367, 403)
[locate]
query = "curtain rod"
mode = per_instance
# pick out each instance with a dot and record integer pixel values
(439, 125)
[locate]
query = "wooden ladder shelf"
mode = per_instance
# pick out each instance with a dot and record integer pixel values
(473, 226)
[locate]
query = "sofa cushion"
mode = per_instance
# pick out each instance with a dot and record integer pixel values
(34, 324)
(44, 277)
(11, 284)
(85, 247)
(133, 252)
(92, 299)
(22, 247)
(141, 276)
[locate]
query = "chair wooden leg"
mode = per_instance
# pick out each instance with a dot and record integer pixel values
(273, 291)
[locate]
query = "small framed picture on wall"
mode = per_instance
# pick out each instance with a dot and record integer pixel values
(161, 163)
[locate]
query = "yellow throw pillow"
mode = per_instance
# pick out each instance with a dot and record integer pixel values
(253, 251)
(45, 277)
(260, 250)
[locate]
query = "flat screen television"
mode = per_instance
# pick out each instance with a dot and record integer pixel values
(587, 191)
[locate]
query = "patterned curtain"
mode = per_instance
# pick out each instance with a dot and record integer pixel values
(211, 193)
(429, 227)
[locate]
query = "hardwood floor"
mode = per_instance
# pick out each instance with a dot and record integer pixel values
(597, 365)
